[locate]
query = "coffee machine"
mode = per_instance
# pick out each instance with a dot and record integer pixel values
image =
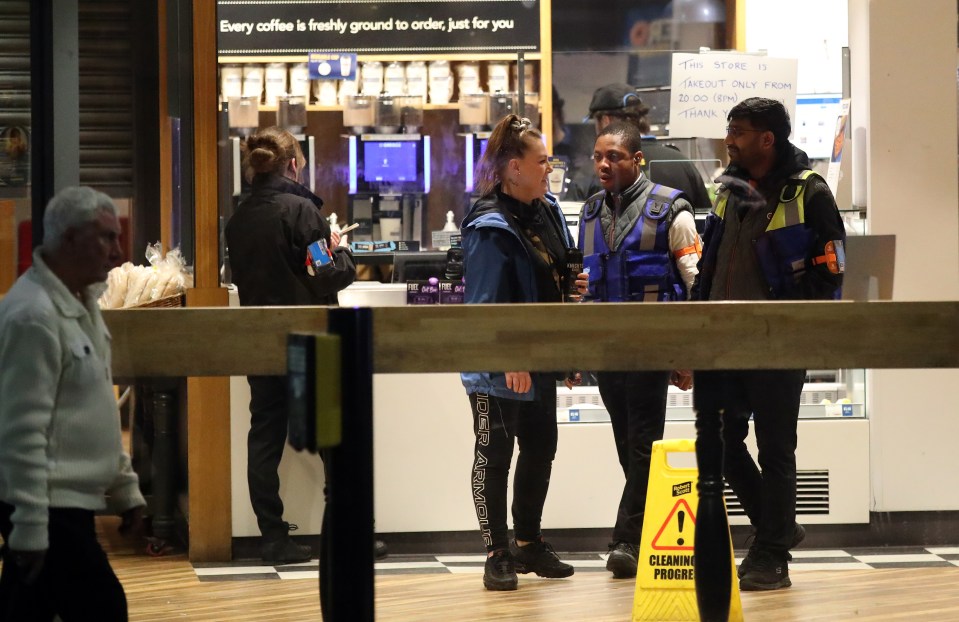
(389, 167)
(389, 178)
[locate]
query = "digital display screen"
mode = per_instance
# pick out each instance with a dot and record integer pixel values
(814, 124)
(657, 100)
(390, 161)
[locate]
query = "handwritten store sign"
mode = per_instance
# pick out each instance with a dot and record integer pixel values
(255, 27)
(706, 86)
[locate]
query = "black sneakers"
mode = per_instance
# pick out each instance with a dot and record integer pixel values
(799, 534)
(540, 558)
(499, 573)
(285, 551)
(622, 561)
(768, 570)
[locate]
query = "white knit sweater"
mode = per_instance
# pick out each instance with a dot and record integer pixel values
(60, 442)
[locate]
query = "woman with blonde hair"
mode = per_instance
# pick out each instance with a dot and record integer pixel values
(514, 243)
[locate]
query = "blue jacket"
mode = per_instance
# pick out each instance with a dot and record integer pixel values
(497, 268)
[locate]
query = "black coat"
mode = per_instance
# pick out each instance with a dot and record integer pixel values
(267, 238)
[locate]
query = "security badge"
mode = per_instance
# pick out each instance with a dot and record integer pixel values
(834, 257)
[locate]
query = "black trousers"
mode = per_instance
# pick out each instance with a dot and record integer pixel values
(265, 443)
(767, 491)
(636, 402)
(76, 583)
(496, 423)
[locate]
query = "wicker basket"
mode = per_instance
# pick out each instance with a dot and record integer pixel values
(174, 301)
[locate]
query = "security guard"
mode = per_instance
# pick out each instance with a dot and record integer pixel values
(775, 233)
(639, 243)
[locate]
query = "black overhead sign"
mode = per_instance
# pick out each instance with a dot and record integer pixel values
(268, 27)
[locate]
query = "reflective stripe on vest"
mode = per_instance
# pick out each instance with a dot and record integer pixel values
(789, 211)
(720, 209)
(658, 202)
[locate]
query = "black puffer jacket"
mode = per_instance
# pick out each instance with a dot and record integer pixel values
(267, 239)
(753, 208)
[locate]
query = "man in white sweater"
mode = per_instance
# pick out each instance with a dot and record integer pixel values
(61, 454)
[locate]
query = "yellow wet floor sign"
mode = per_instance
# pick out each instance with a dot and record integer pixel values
(665, 578)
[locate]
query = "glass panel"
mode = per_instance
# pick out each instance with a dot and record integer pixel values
(587, 55)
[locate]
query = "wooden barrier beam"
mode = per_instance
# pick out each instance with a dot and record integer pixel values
(8, 246)
(596, 337)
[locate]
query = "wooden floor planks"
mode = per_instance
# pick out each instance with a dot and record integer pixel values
(166, 589)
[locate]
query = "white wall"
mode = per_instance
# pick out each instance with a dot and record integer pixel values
(813, 31)
(905, 62)
(903, 76)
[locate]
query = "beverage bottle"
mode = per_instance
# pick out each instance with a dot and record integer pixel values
(574, 266)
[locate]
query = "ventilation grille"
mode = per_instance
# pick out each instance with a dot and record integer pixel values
(14, 63)
(105, 80)
(106, 96)
(812, 495)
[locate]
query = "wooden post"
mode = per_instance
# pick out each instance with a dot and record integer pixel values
(8, 246)
(208, 399)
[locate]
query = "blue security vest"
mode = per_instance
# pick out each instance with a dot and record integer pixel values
(642, 268)
(785, 245)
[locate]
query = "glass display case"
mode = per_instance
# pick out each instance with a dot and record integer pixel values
(827, 394)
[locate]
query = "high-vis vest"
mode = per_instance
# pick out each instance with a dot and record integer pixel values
(784, 246)
(642, 268)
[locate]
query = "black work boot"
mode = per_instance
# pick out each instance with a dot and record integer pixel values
(499, 573)
(768, 570)
(622, 561)
(540, 558)
(799, 534)
(284, 551)
(380, 550)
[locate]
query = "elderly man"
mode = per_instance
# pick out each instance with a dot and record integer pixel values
(62, 456)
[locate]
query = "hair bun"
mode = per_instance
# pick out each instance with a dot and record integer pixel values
(521, 124)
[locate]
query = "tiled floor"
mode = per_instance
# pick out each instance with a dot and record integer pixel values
(803, 559)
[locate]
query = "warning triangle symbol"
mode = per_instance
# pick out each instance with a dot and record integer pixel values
(678, 529)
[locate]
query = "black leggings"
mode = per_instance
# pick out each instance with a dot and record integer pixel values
(496, 422)
(76, 583)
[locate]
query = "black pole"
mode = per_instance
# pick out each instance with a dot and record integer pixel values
(346, 563)
(521, 85)
(41, 114)
(712, 547)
